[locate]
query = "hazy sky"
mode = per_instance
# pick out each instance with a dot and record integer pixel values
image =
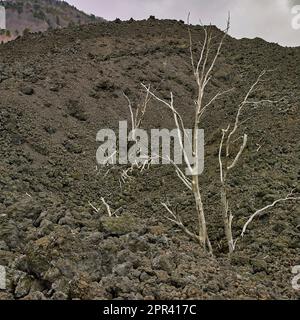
(268, 19)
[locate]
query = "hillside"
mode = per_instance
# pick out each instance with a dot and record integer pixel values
(60, 87)
(40, 15)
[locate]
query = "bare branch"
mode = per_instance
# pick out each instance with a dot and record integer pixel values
(142, 109)
(201, 55)
(191, 44)
(218, 95)
(131, 112)
(177, 221)
(137, 118)
(183, 178)
(236, 124)
(217, 53)
(261, 101)
(224, 132)
(178, 121)
(95, 209)
(242, 148)
(187, 182)
(256, 213)
(110, 214)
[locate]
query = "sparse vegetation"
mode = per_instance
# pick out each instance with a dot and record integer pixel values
(55, 245)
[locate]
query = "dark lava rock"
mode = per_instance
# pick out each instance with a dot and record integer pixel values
(23, 286)
(27, 90)
(259, 265)
(163, 262)
(76, 110)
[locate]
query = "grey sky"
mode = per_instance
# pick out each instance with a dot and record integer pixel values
(268, 19)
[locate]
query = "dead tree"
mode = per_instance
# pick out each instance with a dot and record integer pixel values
(227, 165)
(202, 71)
(137, 118)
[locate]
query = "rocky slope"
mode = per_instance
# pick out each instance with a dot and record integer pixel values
(59, 88)
(41, 15)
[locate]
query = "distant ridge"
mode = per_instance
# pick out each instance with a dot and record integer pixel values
(34, 16)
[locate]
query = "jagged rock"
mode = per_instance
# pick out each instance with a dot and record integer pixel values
(23, 286)
(27, 90)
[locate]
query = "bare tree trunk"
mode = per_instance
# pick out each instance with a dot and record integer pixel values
(227, 218)
(202, 229)
(200, 210)
(202, 70)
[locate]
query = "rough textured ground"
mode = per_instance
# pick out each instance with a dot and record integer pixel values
(59, 88)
